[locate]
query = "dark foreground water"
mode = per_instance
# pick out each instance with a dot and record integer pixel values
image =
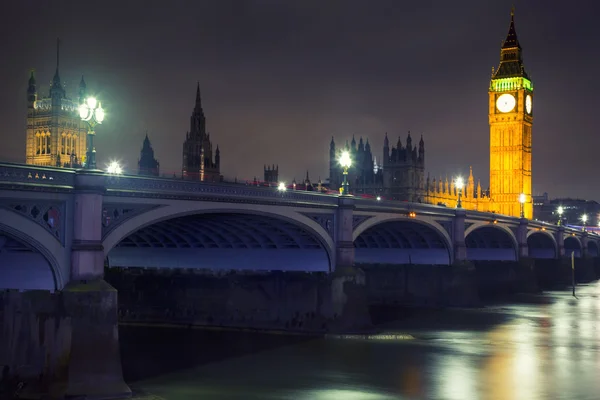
(537, 347)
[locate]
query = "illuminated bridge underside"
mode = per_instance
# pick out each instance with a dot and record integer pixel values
(23, 267)
(490, 243)
(401, 242)
(541, 246)
(222, 242)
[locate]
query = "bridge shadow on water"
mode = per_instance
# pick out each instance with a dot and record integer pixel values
(150, 351)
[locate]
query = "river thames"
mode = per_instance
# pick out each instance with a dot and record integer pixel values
(534, 347)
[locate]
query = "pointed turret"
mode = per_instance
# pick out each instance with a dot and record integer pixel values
(386, 150)
(470, 184)
(408, 143)
(148, 165)
(198, 104)
(83, 92)
(361, 145)
(511, 57)
(368, 146)
(31, 89)
(422, 151)
(353, 143)
(57, 89)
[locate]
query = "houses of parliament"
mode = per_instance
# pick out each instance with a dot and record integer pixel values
(56, 136)
(401, 173)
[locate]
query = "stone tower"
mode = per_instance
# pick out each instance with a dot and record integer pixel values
(148, 165)
(511, 120)
(271, 174)
(56, 136)
(198, 161)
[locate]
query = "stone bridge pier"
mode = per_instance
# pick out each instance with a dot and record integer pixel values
(94, 369)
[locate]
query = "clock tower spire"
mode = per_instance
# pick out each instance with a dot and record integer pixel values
(511, 120)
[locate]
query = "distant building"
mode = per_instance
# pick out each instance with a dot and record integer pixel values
(56, 136)
(400, 177)
(271, 174)
(198, 161)
(147, 164)
(546, 210)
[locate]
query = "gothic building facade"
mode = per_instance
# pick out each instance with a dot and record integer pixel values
(147, 164)
(198, 162)
(399, 177)
(56, 136)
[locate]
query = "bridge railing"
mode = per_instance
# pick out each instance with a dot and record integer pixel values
(33, 175)
(153, 185)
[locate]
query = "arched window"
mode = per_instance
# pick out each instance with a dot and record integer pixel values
(63, 144)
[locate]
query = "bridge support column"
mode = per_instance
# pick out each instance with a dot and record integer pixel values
(584, 245)
(522, 239)
(91, 303)
(460, 249)
(560, 242)
(344, 245)
(348, 283)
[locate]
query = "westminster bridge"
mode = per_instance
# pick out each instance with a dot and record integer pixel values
(62, 230)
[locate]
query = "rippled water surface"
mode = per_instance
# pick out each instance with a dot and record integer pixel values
(544, 347)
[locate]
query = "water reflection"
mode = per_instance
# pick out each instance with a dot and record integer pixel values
(524, 351)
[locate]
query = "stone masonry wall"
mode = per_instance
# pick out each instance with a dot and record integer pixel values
(35, 341)
(421, 285)
(262, 300)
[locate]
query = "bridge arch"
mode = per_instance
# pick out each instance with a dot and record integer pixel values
(389, 239)
(178, 235)
(593, 250)
(572, 244)
(492, 242)
(541, 244)
(31, 260)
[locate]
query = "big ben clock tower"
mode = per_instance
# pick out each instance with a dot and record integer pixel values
(511, 119)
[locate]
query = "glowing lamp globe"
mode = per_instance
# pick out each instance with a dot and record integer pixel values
(584, 218)
(345, 160)
(522, 198)
(91, 102)
(560, 210)
(99, 113)
(459, 183)
(281, 187)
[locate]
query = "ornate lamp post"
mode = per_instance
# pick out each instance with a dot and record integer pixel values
(91, 111)
(345, 162)
(459, 187)
(560, 210)
(584, 220)
(522, 200)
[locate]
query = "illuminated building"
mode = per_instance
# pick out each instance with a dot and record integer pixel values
(55, 135)
(198, 161)
(400, 177)
(511, 118)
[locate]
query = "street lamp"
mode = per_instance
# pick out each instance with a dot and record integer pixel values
(91, 111)
(114, 168)
(522, 200)
(584, 220)
(459, 186)
(281, 187)
(560, 210)
(345, 162)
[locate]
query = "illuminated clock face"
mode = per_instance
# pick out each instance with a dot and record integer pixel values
(528, 104)
(506, 103)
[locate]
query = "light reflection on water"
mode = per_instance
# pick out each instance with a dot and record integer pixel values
(526, 351)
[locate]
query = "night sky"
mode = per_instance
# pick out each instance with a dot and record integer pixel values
(280, 77)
